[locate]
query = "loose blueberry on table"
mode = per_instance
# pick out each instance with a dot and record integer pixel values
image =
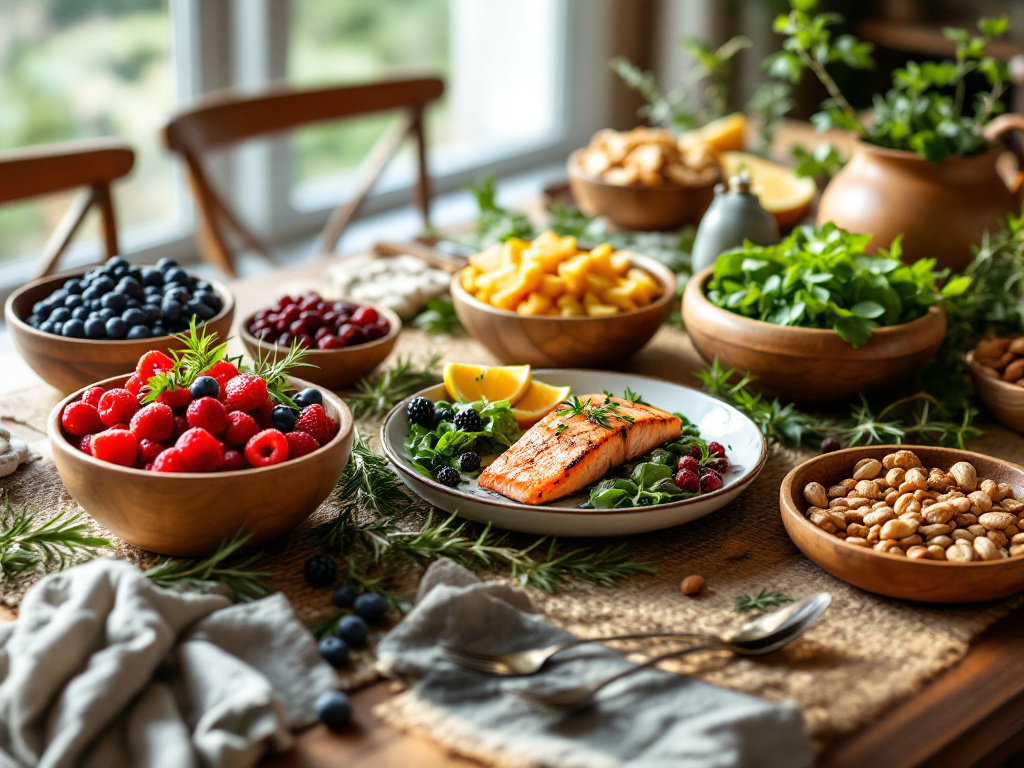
(120, 301)
(311, 321)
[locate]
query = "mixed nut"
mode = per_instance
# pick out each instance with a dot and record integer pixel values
(899, 507)
(1002, 358)
(649, 157)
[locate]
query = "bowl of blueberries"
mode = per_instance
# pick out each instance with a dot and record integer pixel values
(80, 327)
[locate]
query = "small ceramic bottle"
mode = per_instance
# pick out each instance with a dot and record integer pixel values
(735, 215)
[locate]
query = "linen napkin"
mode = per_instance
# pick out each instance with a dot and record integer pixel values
(104, 669)
(653, 719)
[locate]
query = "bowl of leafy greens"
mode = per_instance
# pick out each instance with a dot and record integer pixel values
(815, 318)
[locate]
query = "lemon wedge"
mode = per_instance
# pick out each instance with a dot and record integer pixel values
(723, 135)
(540, 399)
(782, 193)
(486, 382)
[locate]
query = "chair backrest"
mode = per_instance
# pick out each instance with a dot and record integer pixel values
(91, 164)
(230, 118)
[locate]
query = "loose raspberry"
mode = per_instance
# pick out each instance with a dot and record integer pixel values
(233, 460)
(117, 406)
(85, 444)
(245, 392)
(175, 398)
(202, 451)
(171, 460)
(264, 415)
(135, 385)
(314, 421)
(222, 371)
(266, 448)
(92, 396)
(241, 428)
(151, 363)
(300, 443)
(80, 418)
(117, 446)
(149, 450)
(153, 422)
(208, 413)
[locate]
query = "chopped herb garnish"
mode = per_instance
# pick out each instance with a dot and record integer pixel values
(762, 602)
(595, 414)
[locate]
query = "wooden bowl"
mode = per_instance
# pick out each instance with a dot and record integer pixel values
(808, 364)
(929, 581)
(636, 206)
(189, 514)
(71, 364)
(1004, 399)
(545, 341)
(335, 368)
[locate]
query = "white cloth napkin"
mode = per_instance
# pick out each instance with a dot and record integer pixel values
(103, 669)
(655, 720)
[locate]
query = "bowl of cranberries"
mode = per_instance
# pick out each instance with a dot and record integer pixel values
(343, 339)
(79, 327)
(179, 455)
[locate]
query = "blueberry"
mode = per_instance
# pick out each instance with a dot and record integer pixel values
(73, 329)
(157, 330)
(130, 287)
(117, 262)
(177, 275)
(95, 328)
(204, 386)
(199, 309)
(345, 596)
(105, 314)
(60, 315)
(115, 301)
(284, 418)
(103, 284)
(116, 328)
(92, 293)
(58, 296)
(152, 277)
(370, 607)
(73, 301)
(139, 332)
(133, 304)
(334, 710)
(49, 327)
(165, 264)
(308, 396)
(74, 286)
(171, 309)
(152, 313)
(134, 317)
(320, 570)
(352, 629)
(335, 651)
(42, 309)
(80, 313)
(203, 285)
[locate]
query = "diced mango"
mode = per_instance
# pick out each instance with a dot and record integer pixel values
(466, 278)
(619, 297)
(487, 260)
(489, 280)
(552, 286)
(598, 283)
(620, 263)
(574, 272)
(569, 304)
(602, 310)
(601, 261)
(506, 299)
(535, 304)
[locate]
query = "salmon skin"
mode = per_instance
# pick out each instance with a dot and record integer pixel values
(551, 460)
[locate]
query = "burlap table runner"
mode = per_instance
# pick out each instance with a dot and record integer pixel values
(863, 656)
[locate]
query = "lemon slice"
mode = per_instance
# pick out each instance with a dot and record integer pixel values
(722, 135)
(486, 382)
(782, 193)
(540, 399)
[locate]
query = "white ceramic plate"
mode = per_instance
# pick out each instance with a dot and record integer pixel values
(745, 448)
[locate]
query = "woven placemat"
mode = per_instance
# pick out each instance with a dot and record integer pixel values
(863, 656)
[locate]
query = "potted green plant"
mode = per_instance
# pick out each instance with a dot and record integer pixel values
(924, 163)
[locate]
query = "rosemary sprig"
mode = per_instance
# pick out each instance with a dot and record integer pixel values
(25, 544)
(226, 565)
(199, 353)
(762, 602)
(275, 371)
(376, 395)
(594, 413)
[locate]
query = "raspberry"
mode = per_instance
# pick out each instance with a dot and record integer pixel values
(208, 413)
(234, 460)
(80, 418)
(171, 460)
(689, 463)
(151, 363)
(202, 451)
(313, 420)
(266, 448)
(149, 450)
(135, 385)
(245, 392)
(180, 426)
(264, 415)
(716, 449)
(117, 406)
(85, 444)
(92, 396)
(153, 422)
(300, 443)
(687, 480)
(116, 446)
(175, 398)
(332, 427)
(241, 427)
(222, 371)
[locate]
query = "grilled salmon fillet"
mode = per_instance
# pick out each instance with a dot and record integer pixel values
(546, 464)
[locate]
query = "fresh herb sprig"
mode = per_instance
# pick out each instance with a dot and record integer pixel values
(26, 542)
(821, 163)
(200, 351)
(762, 602)
(376, 395)
(227, 566)
(599, 414)
(439, 318)
(275, 370)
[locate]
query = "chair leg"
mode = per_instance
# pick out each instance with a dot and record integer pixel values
(421, 194)
(65, 230)
(208, 235)
(105, 203)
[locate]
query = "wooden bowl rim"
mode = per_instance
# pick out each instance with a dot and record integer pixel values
(59, 442)
(12, 317)
(575, 169)
(789, 505)
(394, 321)
(911, 327)
(665, 277)
(1007, 386)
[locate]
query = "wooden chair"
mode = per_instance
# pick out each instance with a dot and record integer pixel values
(230, 118)
(92, 164)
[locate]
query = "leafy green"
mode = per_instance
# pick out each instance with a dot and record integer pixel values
(496, 224)
(821, 278)
(26, 543)
(439, 318)
(821, 163)
(429, 449)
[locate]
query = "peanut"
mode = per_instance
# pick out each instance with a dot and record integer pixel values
(996, 520)
(859, 541)
(939, 512)
(867, 489)
(998, 538)
(962, 535)
(1012, 505)
(1016, 550)
(940, 541)
(895, 476)
(985, 549)
(936, 553)
(841, 489)
(935, 529)
(693, 585)
(980, 502)
(867, 469)
(965, 518)
(898, 529)
(988, 487)
(816, 495)
(961, 552)
(879, 517)
(965, 475)
(917, 553)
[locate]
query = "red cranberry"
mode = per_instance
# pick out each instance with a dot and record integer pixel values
(305, 341)
(266, 334)
(721, 464)
(686, 480)
(710, 481)
(696, 452)
(259, 325)
(284, 302)
(321, 332)
(377, 330)
(689, 463)
(344, 307)
(350, 335)
(328, 341)
(284, 340)
(365, 316)
(716, 449)
(312, 319)
(298, 327)
(291, 314)
(263, 314)
(281, 326)
(329, 316)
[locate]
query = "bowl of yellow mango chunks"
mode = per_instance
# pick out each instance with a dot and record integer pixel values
(550, 304)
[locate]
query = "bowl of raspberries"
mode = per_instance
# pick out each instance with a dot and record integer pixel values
(343, 339)
(192, 446)
(80, 327)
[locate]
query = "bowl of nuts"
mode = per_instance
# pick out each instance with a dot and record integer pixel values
(922, 523)
(643, 179)
(997, 370)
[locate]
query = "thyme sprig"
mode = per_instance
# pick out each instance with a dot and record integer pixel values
(376, 395)
(594, 413)
(762, 602)
(275, 370)
(26, 543)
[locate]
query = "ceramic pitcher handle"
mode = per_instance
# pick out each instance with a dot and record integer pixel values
(998, 127)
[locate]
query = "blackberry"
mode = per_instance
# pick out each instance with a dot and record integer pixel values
(830, 444)
(468, 421)
(320, 570)
(443, 414)
(421, 411)
(469, 461)
(447, 476)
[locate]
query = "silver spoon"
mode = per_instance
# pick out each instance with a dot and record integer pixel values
(763, 635)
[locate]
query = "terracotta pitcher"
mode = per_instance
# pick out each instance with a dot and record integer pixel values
(940, 209)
